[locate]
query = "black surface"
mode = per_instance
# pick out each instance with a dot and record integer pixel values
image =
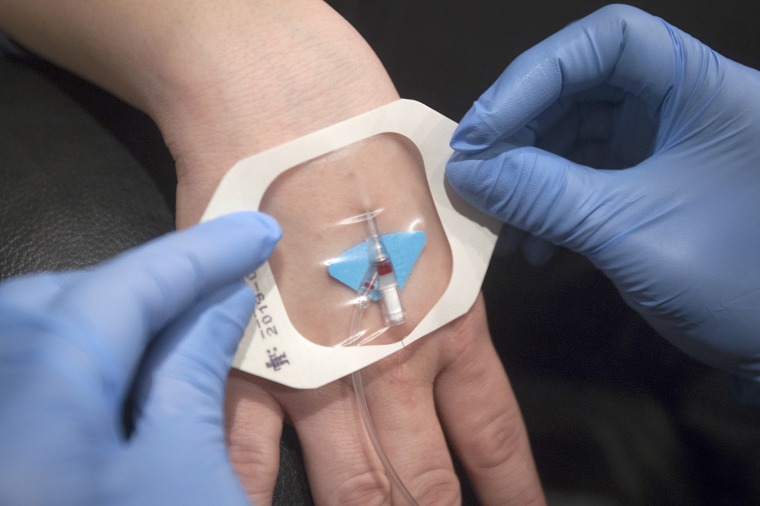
(71, 193)
(616, 415)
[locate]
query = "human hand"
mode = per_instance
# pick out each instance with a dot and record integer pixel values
(157, 326)
(448, 386)
(447, 391)
(677, 230)
(229, 80)
(451, 385)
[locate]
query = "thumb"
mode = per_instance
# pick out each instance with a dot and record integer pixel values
(176, 453)
(185, 371)
(536, 191)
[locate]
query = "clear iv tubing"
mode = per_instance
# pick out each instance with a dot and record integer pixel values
(361, 400)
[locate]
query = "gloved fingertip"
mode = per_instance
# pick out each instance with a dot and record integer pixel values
(458, 171)
(263, 232)
(271, 224)
(261, 221)
(474, 176)
(470, 139)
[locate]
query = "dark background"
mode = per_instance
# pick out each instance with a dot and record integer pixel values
(616, 415)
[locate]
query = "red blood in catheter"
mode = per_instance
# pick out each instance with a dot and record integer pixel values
(384, 267)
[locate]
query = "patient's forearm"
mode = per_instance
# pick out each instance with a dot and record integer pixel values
(222, 80)
(149, 52)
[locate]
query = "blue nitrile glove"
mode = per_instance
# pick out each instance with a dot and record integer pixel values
(678, 230)
(159, 324)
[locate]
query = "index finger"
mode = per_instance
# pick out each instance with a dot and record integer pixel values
(618, 45)
(122, 304)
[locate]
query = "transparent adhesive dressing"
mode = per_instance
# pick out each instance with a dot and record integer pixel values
(339, 294)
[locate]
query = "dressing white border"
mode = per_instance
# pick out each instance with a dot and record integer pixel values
(471, 236)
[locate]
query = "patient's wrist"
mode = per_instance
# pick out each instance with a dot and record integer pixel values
(253, 87)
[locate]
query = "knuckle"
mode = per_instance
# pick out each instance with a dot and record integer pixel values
(497, 441)
(439, 487)
(369, 488)
(253, 466)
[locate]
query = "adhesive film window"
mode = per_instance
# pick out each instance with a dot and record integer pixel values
(350, 218)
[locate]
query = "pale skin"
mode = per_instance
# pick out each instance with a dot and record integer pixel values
(319, 225)
(232, 78)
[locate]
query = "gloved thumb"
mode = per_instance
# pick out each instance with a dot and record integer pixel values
(185, 371)
(531, 189)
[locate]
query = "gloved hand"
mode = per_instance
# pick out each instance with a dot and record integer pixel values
(159, 326)
(678, 229)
